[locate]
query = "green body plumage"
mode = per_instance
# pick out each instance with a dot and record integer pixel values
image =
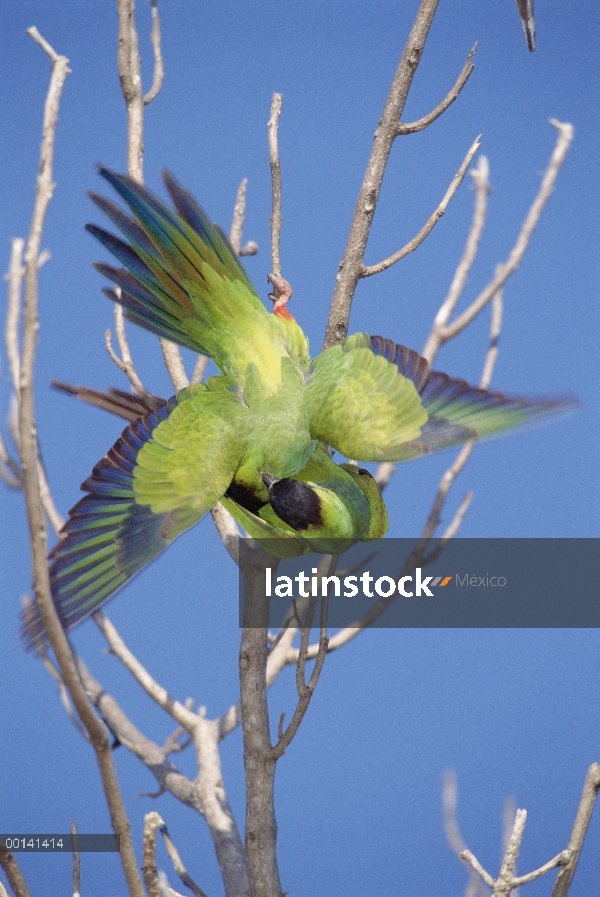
(255, 437)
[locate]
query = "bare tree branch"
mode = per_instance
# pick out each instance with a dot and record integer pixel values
(452, 95)
(369, 270)
(76, 861)
(152, 823)
(130, 75)
(227, 529)
(178, 864)
(261, 828)
(239, 213)
(125, 362)
(482, 189)
(589, 794)
(13, 314)
(352, 261)
(160, 695)
(306, 689)
(565, 136)
(272, 129)
(159, 69)
(29, 466)
(13, 872)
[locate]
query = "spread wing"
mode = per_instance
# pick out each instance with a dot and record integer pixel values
(165, 472)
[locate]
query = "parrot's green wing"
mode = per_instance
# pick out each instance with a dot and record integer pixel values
(374, 400)
(164, 473)
(458, 411)
(182, 280)
(360, 403)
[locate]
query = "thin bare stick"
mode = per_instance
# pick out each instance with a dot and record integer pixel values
(199, 369)
(250, 248)
(306, 689)
(167, 775)
(227, 529)
(506, 879)
(178, 863)
(62, 690)
(452, 829)
(272, 130)
(481, 178)
(54, 516)
(455, 524)
(369, 270)
(76, 861)
(159, 68)
(449, 806)
(352, 261)
(452, 95)
(13, 313)
(476, 866)
(589, 794)
(10, 473)
(160, 695)
(126, 362)
(561, 859)
(13, 872)
(152, 823)
(525, 8)
(130, 75)
(174, 364)
(565, 136)
(29, 465)
(239, 213)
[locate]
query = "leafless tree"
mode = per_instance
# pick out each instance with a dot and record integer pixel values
(248, 866)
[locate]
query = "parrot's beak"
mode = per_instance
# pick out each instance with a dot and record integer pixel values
(268, 480)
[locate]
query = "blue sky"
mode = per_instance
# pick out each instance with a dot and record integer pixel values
(515, 712)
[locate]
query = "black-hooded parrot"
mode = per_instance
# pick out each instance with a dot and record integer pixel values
(258, 437)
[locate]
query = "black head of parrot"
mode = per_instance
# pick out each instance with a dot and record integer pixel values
(294, 502)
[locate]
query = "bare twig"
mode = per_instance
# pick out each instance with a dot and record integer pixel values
(565, 136)
(10, 473)
(76, 861)
(178, 864)
(306, 689)
(452, 95)
(199, 369)
(368, 270)
(13, 872)
(476, 866)
(152, 823)
(589, 794)
(130, 75)
(13, 314)
(227, 529)
(159, 69)
(125, 362)
(481, 179)
(29, 465)
(352, 261)
(160, 695)
(174, 364)
(272, 129)
(525, 8)
(167, 775)
(239, 213)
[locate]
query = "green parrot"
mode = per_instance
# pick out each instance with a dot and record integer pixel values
(257, 437)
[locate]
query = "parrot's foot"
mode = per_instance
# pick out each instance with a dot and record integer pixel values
(282, 292)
